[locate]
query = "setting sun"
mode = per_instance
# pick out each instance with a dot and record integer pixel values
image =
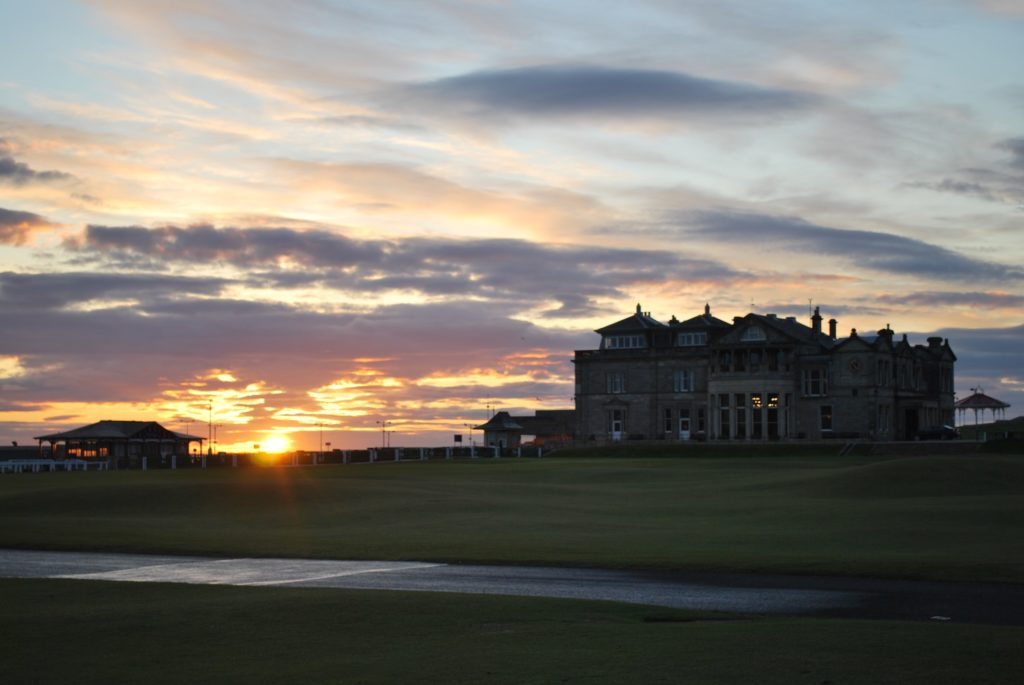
(276, 444)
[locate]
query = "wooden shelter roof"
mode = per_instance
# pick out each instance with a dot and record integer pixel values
(980, 400)
(118, 430)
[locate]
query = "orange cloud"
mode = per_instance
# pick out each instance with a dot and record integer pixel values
(16, 227)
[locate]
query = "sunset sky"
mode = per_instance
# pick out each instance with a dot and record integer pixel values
(336, 213)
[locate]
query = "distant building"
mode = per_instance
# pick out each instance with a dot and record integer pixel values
(760, 377)
(121, 443)
(546, 426)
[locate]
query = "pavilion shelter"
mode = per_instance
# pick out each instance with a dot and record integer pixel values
(501, 431)
(980, 402)
(123, 444)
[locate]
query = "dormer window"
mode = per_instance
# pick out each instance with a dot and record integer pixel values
(624, 342)
(753, 334)
(694, 339)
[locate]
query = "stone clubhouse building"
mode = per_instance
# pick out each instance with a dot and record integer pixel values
(761, 377)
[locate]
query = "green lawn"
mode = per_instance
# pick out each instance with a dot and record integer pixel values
(943, 517)
(930, 517)
(94, 632)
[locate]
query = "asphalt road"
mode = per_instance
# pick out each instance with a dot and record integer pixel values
(753, 594)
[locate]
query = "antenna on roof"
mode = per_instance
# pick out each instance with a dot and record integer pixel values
(810, 304)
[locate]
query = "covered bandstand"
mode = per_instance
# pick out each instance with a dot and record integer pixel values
(977, 402)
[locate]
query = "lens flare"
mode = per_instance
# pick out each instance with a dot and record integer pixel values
(276, 444)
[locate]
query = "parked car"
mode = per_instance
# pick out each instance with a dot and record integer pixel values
(939, 433)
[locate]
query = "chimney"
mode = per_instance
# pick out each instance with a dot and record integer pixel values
(832, 323)
(934, 342)
(707, 309)
(816, 322)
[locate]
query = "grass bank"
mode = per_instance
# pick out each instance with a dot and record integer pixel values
(944, 517)
(94, 632)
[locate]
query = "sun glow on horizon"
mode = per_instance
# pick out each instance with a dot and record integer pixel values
(276, 444)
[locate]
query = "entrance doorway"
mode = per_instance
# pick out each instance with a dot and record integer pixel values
(684, 427)
(616, 424)
(911, 424)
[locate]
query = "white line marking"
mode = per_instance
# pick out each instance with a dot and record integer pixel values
(248, 572)
(339, 575)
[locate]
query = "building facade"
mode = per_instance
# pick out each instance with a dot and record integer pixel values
(120, 443)
(761, 377)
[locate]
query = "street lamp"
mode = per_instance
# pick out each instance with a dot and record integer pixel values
(383, 432)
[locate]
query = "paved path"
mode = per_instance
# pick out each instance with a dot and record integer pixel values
(793, 595)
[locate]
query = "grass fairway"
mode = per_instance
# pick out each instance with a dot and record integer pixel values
(94, 632)
(949, 517)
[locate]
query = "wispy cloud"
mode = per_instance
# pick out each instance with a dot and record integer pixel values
(598, 93)
(870, 249)
(945, 298)
(19, 174)
(1002, 182)
(70, 289)
(522, 274)
(243, 247)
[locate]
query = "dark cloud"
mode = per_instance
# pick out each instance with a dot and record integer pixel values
(243, 247)
(19, 174)
(20, 406)
(959, 187)
(1015, 146)
(1003, 183)
(15, 226)
(595, 92)
(979, 300)
(991, 358)
(987, 351)
(56, 291)
(870, 249)
(519, 273)
(121, 354)
(828, 310)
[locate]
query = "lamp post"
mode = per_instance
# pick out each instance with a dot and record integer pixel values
(383, 432)
(321, 458)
